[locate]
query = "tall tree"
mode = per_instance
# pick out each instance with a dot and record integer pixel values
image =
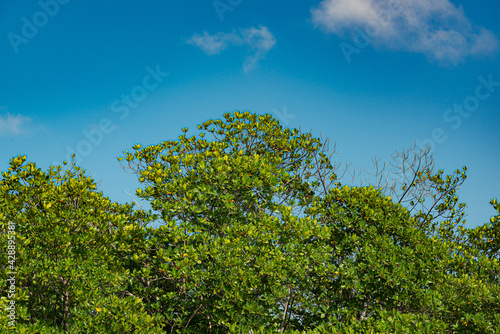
(258, 232)
(74, 251)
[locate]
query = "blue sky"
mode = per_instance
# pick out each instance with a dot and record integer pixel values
(373, 75)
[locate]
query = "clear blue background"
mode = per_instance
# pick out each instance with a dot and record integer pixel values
(65, 79)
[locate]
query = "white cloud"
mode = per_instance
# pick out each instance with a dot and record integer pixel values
(214, 44)
(337, 15)
(12, 124)
(258, 40)
(436, 28)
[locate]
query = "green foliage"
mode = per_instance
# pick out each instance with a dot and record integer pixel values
(72, 256)
(486, 238)
(256, 235)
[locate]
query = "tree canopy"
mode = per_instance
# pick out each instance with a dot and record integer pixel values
(258, 233)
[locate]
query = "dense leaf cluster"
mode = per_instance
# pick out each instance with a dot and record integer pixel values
(256, 235)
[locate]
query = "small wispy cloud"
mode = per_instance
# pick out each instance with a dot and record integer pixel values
(258, 40)
(12, 125)
(436, 28)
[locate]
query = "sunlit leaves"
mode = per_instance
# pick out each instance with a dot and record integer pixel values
(71, 251)
(255, 234)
